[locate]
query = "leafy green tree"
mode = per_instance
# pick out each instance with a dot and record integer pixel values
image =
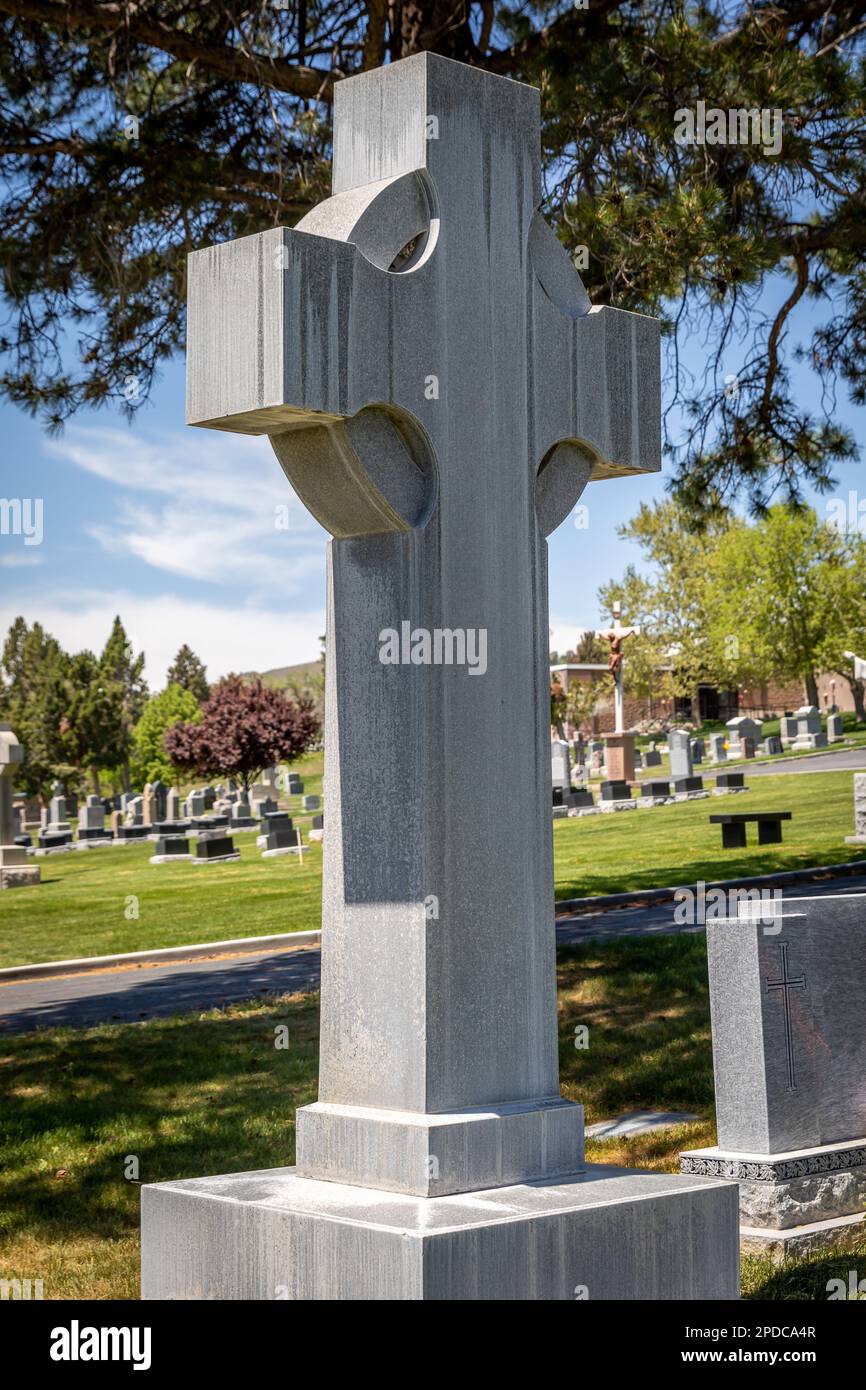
(672, 655)
(133, 133)
(33, 699)
(782, 593)
(150, 759)
(189, 673)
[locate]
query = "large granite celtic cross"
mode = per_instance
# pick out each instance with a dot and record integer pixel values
(439, 391)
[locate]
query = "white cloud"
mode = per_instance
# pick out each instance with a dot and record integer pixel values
(226, 637)
(20, 559)
(216, 501)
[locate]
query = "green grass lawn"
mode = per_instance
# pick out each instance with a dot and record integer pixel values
(212, 1093)
(86, 903)
(668, 845)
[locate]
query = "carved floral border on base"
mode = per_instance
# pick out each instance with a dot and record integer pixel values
(772, 1170)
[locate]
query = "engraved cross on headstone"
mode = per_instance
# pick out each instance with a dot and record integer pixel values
(439, 391)
(786, 984)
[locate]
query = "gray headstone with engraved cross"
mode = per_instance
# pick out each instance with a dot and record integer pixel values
(788, 998)
(439, 391)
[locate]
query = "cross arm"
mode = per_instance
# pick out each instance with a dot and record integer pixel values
(596, 372)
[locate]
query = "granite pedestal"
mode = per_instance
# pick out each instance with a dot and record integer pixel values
(607, 1233)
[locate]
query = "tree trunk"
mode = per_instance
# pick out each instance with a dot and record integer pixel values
(811, 686)
(94, 772)
(441, 26)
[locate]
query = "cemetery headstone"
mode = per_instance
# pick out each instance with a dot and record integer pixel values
(718, 751)
(773, 746)
(859, 836)
(657, 792)
(652, 758)
(809, 731)
(171, 849)
(281, 838)
(438, 1074)
(560, 767)
(680, 753)
(15, 872)
(739, 728)
(58, 820)
(91, 823)
(747, 746)
(596, 755)
(787, 729)
(835, 728)
(148, 805)
(172, 804)
(240, 816)
(310, 803)
(787, 984)
(214, 847)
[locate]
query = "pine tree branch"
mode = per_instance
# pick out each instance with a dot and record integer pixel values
(111, 17)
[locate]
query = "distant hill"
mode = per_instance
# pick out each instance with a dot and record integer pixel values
(303, 675)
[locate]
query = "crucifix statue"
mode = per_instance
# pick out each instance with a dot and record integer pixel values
(439, 391)
(616, 634)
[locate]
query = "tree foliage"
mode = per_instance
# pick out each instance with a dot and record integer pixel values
(134, 131)
(245, 726)
(150, 759)
(742, 604)
(787, 600)
(33, 701)
(189, 672)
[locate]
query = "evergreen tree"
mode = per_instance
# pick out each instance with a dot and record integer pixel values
(134, 133)
(189, 673)
(123, 672)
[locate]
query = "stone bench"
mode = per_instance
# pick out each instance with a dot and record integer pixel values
(734, 827)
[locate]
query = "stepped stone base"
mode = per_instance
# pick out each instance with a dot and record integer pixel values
(434, 1155)
(606, 1233)
(792, 1203)
(20, 876)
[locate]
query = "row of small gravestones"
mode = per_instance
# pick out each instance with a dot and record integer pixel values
(799, 731)
(157, 814)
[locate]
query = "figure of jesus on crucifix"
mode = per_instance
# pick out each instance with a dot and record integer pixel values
(616, 635)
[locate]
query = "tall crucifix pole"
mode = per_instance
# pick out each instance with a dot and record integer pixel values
(439, 391)
(616, 634)
(619, 755)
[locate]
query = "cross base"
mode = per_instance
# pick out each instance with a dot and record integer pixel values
(432, 1155)
(606, 1233)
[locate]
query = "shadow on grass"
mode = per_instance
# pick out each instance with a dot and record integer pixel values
(646, 1007)
(182, 1097)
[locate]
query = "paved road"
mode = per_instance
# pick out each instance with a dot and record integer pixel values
(157, 991)
(851, 760)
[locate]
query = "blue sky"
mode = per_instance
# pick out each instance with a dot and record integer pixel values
(174, 528)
